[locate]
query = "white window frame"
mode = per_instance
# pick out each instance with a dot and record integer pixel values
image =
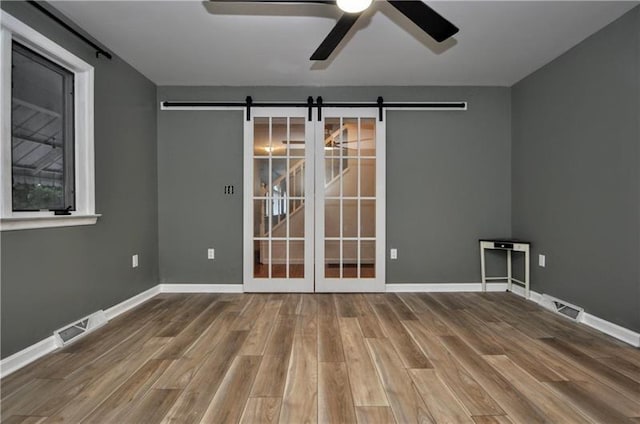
(13, 29)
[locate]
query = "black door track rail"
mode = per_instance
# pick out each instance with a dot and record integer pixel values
(319, 104)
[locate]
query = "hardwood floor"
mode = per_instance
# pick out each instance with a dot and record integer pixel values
(366, 358)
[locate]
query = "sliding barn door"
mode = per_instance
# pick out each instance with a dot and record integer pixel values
(279, 207)
(350, 206)
(314, 201)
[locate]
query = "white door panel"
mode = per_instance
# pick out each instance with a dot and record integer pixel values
(350, 205)
(278, 221)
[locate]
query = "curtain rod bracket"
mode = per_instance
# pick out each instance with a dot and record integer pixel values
(65, 25)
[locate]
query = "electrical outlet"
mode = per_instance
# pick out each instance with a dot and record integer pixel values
(134, 261)
(542, 261)
(211, 253)
(393, 253)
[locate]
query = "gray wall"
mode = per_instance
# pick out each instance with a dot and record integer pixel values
(448, 180)
(53, 276)
(576, 178)
(198, 154)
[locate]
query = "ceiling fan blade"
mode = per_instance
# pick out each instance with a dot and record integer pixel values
(426, 18)
(336, 35)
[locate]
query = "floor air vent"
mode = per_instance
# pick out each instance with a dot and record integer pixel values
(72, 332)
(561, 307)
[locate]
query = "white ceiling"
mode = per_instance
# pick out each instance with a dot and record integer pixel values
(201, 43)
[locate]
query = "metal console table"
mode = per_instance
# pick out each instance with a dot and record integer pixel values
(509, 245)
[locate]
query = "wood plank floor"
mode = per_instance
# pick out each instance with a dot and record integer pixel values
(332, 358)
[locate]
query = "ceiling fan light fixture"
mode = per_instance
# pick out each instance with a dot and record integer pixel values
(353, 6)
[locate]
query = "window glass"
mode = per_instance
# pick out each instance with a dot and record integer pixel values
(42, 145)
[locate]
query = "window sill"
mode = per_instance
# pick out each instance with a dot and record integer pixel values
(53, 221)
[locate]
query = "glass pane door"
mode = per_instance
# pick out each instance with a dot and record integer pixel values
(314, 201)
(279, 172)
(350, 201)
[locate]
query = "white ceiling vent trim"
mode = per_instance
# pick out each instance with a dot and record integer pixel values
(563, 308)
(72, 332)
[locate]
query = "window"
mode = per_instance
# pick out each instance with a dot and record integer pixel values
(46, 120)
(42, 163)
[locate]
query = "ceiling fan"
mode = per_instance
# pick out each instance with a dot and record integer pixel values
(430, 21)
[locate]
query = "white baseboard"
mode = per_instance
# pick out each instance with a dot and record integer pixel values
(606, 327)
(201, 288)
(130, 303)
(444, 287)
(26, 356)
(495, 287)
(519, 290)
(614, 330)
